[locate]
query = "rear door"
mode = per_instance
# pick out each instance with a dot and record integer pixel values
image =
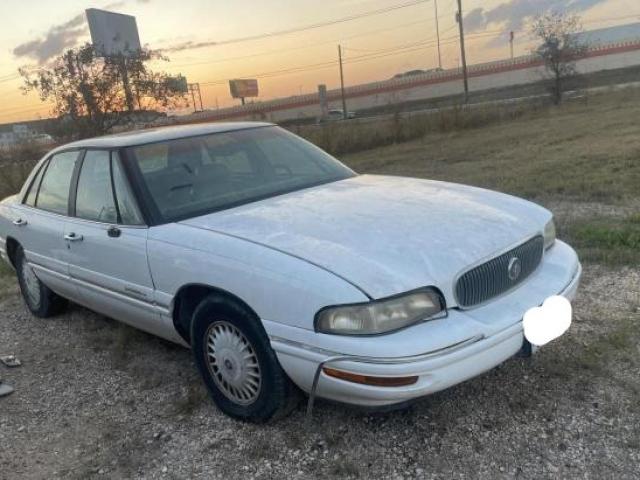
(39, 222)
(108, 244)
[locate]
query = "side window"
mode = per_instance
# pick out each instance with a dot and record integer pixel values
(94, 200)
(35, 185)
(54, 190)
(129, 213)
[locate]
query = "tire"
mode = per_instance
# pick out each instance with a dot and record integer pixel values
(240, 369)
(40, 299)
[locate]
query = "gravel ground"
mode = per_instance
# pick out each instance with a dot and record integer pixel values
(95, 399)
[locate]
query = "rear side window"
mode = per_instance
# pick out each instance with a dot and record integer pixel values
(53, 195)
(35, 185)
(94, 200)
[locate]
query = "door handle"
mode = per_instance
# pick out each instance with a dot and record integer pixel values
(19, 222)
(72, 237)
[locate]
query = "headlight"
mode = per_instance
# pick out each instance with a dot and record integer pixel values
(549, 234)
(380, 316)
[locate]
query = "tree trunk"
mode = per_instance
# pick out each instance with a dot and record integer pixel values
(557, 89)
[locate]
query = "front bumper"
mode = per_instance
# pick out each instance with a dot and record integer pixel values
(494, 333)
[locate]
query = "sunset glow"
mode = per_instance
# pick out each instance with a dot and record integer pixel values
(289, 64)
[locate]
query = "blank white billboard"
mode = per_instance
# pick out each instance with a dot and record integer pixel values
(113, 33)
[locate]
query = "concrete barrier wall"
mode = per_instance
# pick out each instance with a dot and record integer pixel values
(504, 73)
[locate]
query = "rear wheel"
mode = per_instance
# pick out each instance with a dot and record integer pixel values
(236, 361)
(40, 299)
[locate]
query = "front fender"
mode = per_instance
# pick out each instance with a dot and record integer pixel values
(280, 288)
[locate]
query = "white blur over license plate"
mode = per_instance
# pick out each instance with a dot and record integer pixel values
(548, 321)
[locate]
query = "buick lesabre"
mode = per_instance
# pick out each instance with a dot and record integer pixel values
(281, 268)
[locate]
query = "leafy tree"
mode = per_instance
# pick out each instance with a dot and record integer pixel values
(559, 49)
(88, 90)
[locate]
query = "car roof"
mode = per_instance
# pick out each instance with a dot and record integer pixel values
(152, 135)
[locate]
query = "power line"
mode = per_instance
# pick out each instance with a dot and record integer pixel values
(326, 42)
(316, 66)
(10, 78)
(312, 26)
(303, 47)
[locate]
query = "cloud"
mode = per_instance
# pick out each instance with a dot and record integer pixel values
(61, 37)
(513, 15)
(55, 41)
(190, 45)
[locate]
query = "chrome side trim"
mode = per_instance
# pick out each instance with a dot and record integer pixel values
(105, 291)
(381, 360)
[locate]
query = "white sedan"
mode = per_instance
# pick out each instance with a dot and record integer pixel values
(280, 267)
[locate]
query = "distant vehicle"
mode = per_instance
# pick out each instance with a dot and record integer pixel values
(281, 267)
(413, 73)
(339, 115)
(336, 115)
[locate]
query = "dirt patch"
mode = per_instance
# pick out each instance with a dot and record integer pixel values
(96, 399)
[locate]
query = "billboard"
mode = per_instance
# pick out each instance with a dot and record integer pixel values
(113, 33)
(177, 84)
(243, 88)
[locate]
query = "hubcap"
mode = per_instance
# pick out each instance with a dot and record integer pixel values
(233, 363)
(31, 283)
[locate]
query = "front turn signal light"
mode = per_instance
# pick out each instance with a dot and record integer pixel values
(369, 380)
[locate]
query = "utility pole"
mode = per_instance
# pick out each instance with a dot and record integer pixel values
(193, 97)
(200, 97)
(345, 115)
(460, 19)
(435, 3)
(193, 88)
(511, 38)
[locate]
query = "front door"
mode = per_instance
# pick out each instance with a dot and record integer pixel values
(108, 245)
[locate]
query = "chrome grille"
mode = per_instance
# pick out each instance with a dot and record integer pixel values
(492, 278)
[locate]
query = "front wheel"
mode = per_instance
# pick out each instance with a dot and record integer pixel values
(236, 361)
(40, 299)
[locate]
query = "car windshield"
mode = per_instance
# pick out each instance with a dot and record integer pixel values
(193, 176)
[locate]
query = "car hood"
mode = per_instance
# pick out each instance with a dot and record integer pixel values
(386, 235)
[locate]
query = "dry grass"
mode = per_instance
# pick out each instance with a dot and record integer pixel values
(578, 152)
(366, 134)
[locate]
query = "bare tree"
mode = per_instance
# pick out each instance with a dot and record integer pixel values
(88, 93)
(560, 48)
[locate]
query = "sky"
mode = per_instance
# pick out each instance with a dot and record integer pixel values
(209, 41)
